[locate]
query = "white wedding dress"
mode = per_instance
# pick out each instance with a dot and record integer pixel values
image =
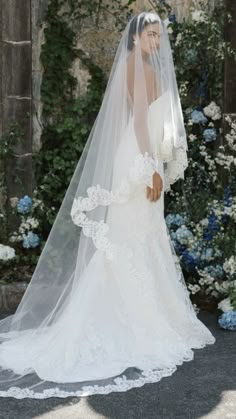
(130, 320)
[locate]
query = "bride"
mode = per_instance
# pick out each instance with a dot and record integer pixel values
(107, 308)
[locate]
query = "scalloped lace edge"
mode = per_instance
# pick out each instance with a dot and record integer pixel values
(141, 172)
(121, 383)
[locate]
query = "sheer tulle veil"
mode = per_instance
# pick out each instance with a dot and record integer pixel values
(142, 73)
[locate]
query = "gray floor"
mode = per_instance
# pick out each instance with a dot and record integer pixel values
(202, 388)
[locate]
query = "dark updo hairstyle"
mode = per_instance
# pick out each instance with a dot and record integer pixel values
(137, 25)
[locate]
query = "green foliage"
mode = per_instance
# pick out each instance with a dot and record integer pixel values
(199, 53)
(77, 12)
(9, 140)
(67, 119)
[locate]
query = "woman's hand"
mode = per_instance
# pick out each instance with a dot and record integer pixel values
(154, 193)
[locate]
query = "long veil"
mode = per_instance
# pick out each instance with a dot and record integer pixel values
(142, 73)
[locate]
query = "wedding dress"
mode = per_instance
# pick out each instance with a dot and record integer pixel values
(129, 320)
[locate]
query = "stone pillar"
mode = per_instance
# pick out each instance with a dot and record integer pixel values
(38, 10)
(230, 64)
(15, 91)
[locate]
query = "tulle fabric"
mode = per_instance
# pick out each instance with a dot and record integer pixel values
(107, 308)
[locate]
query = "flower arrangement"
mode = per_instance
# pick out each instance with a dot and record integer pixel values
(20, 250)
(26, 233)
(201, 211)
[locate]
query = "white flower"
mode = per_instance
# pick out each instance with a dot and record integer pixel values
(194, 288)
(192, 137)
(229, 265)
(212, 111)
(6, 252)
(225, 305)
(15, 238)
(28, 224)
(178, 39)
(198, 16)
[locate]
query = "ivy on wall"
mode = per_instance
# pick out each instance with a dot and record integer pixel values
(67, 119)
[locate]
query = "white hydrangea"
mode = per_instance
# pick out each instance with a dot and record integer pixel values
(212, 111)
(6, 252)
(28, 224)
(225, 305)
(229, 265)
(199, 16)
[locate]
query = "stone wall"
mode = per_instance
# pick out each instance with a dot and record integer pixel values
(15, 94)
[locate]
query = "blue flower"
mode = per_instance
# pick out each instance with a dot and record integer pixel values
(183, 235)
(216, 271)
(209, 135)
(174, 219)
(227, 320)
(30, 240)
(190, 259)
(212, 227)
(179, 247)
(172, 17)
(207, 254)
(198, 117)
(24, 205)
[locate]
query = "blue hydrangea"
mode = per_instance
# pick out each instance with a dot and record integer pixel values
(198, 117)
(24, 205)
(173, 235)
(215, 271)
(190, 259)
(207, 254)
(179, 248)
(174, 219)
(30, 240)
(212, 227)
(183, 235)
(209, 135)
(227, 320)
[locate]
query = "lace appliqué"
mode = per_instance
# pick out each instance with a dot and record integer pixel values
(141, 173)
(175, 168)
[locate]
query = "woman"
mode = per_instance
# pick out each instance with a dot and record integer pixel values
(107, 308)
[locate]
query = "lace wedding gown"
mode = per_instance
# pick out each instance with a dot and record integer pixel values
(130, 321)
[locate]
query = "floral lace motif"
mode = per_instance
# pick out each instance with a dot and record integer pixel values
(140, 173)
(175, 168)
(121, 383)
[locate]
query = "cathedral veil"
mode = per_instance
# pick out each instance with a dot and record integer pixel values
(140, 75)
